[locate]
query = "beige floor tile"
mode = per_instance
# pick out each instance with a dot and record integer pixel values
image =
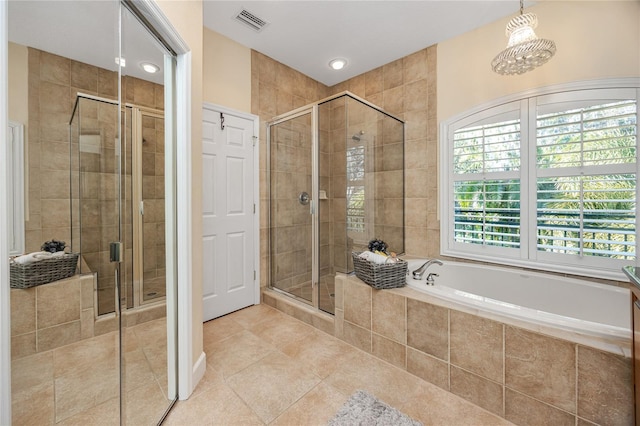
(30, 371)
(79, 391)
(33, 406)
(321, 353)
(100, 415)
(317, 407)
(383, 380)
(219, 329)
(86, 354)
(272, 384)
(145, 405)
(248, 317)
(432, 405)
(215, 405)
(237, 352)
(282, 330)
(137, 370)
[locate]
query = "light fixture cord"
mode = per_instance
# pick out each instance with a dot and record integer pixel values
(521, 7)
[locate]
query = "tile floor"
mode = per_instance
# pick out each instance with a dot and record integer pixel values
(77, 384)
(265, 367)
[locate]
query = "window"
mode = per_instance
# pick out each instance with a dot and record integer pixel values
(355, 189)
(547, 182)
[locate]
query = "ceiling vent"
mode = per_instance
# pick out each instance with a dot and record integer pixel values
(251, 20)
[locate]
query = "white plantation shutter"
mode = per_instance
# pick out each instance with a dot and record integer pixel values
(548, 182)
(586, 186)
(486, 181)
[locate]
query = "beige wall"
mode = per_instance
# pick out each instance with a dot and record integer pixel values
(18, 84)
(226, 72)
(186, 18)
(595, 39)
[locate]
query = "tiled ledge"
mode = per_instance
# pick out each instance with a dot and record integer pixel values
(56, 314)
(515, 373)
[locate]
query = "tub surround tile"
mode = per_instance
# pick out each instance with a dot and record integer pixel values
(23, 345)
(541, 366)
(428, 368)
(477, 345)
(58, 335)
(23, 308)
(428, 328)
(390, 351)
(389, 316)
(357, 304)
(525, 411)
(605, 393)
(356, 336)
(482, 392)
(58, 303)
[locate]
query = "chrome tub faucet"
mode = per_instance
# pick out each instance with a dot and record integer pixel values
(418, 273)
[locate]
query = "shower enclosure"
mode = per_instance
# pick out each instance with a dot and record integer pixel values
(110, 176)
(336, 181)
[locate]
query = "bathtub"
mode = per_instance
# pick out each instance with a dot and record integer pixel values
(593, 314)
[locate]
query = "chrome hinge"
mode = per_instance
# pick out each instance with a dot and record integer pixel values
(115, 252)
(254, 208)
(255, 140)
(254, 275)
(221, 121)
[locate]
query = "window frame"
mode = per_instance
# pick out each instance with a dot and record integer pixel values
(526, 103)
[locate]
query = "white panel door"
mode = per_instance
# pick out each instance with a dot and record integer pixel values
(228, 213)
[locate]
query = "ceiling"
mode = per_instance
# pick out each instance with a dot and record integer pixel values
(304, 35)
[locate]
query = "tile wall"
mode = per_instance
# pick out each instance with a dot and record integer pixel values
(523, 376)
(276, 89)
(54, 82)
(406, 88)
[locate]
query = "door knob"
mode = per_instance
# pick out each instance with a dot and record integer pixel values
(303, 198)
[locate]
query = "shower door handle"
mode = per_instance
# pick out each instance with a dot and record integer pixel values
(303, 198)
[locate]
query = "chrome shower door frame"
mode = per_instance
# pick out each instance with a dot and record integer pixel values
(312, 110)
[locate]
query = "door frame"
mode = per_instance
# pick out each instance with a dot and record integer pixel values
(256, 186)
(5, 309)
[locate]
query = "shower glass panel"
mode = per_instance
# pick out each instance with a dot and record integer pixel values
(95, 191)
(147, 141)
(355, 170)
(291, 192)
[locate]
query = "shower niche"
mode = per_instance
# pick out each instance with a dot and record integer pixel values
(347, 156)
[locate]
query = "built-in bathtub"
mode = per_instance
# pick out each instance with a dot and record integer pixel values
(589, 313)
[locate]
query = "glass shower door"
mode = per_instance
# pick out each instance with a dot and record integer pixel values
(291, 200)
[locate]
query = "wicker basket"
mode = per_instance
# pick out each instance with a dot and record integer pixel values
(380, 276)
(43, 271)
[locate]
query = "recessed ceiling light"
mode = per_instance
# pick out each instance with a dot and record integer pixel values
(149, 67)
(121, 61)
(338, 63)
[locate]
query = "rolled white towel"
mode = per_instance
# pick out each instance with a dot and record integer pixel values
(374, 257)
(32, 257)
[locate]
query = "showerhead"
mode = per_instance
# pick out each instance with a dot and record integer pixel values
(357, 136)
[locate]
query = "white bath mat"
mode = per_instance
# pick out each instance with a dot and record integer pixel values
(363, 409)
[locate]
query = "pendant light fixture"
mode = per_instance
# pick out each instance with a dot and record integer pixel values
(525, 51)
